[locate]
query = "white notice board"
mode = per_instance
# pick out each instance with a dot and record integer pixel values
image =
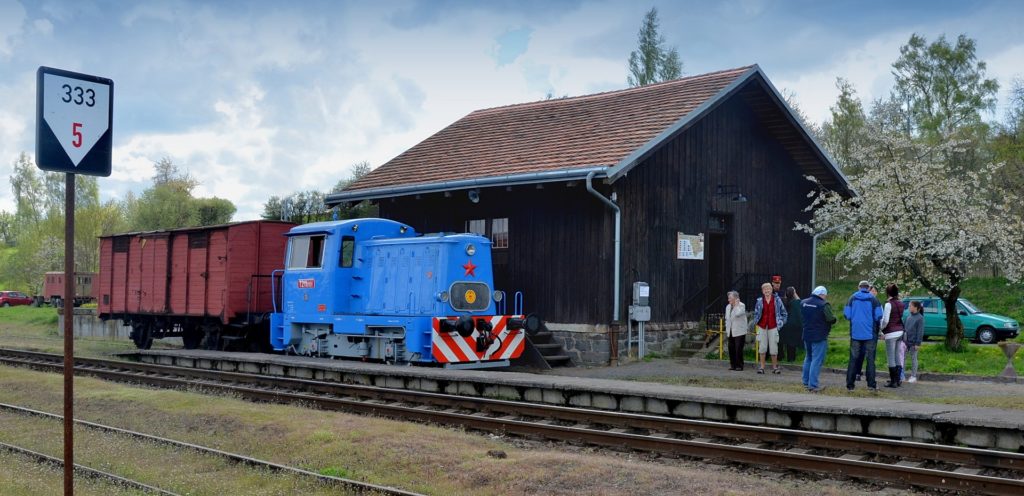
(690, 246)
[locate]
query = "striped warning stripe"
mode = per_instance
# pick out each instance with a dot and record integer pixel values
(449, 347)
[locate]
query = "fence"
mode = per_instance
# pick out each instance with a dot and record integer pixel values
(830, 269)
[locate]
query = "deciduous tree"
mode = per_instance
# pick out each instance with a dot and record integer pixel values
(917, 222)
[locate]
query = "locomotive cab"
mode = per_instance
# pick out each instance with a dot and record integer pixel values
(374, 289)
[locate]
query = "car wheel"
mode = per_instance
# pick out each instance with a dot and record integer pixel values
(986, 335)
(6, 304)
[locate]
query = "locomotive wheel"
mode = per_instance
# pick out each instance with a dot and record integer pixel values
(192, 337)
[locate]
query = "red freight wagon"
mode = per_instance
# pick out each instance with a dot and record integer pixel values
(208, 282)
(53, 288)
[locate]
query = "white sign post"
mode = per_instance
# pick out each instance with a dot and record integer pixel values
(74, 135)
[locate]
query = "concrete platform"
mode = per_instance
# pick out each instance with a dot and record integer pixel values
(928, 422)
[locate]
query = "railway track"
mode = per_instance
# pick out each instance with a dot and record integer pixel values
(970, 470)
(349, 484)
(86, 471)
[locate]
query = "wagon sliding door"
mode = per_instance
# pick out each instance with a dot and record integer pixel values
(153, 261)
(216, 273)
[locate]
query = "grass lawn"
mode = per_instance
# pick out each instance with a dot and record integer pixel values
(35, 328)
(421, 458)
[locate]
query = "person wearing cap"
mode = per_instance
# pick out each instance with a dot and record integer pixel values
(769, 315)
(864, 313)
(817, 324)
(777, 285)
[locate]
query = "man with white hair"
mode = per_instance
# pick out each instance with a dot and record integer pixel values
(818, 320)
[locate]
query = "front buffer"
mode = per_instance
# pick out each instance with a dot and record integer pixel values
(477, 340)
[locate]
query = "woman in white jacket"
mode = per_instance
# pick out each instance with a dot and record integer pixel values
(735, 329)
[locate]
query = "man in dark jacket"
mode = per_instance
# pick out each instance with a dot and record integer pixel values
(818, 319)
(864, 313)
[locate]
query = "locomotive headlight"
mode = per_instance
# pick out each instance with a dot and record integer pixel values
(470, 249)
(498, 295)
(442, 296)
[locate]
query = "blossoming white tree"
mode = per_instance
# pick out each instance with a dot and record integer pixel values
(920, 222)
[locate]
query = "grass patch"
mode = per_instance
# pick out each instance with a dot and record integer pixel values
(335, 472)
(29, 316)
(35, 328)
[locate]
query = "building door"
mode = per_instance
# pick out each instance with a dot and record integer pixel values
(718, 257)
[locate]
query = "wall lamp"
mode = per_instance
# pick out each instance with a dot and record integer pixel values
(732, 191)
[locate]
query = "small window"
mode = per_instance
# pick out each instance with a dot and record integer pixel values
(499, 233)
(348, 248)
(197, 240)
(307, 252)
(121, 244)
(477, 226)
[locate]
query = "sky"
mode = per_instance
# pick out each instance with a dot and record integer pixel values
(265, 98)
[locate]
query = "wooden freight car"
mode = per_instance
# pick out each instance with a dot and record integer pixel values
(53, 288)
(209, 285)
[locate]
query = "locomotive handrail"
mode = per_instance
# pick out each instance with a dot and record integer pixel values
(518, 303)
(273, 288)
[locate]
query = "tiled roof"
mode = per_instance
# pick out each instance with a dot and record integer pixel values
(584, 131)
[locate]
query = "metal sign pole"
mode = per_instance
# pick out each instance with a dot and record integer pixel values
(69, 334)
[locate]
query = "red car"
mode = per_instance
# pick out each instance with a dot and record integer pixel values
(12, 298)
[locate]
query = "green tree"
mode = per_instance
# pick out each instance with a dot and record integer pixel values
(844, 132)
(943, 85)
(29, 193)
(1008, 144)
(308, 206)
(169, 203)
(652, 62)
(213, 211)
(6, 228)
(916, 221)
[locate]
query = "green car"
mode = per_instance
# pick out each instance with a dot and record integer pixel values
(978, 326)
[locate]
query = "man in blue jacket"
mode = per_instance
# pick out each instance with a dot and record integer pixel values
(818, 320)
(864, 313)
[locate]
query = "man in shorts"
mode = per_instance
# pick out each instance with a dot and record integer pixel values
(769, 315)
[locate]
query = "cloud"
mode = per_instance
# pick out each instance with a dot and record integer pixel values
(866, 66)
(12, 19)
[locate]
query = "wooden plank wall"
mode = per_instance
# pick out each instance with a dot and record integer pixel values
(559, 251)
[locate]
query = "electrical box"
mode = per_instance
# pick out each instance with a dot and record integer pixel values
(640, 313)
(641, 294)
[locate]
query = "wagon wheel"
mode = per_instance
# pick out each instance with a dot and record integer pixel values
(192, 337)
(212, 336)
(142, 335)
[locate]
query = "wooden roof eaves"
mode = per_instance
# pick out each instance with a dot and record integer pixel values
(818, 150)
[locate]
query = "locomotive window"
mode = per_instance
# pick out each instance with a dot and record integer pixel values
(477, 226)
(499, 233)
(307, 252)
(348, 248)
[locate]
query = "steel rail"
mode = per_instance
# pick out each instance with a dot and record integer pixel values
(357, 486)
(660, 442)
(86, 471)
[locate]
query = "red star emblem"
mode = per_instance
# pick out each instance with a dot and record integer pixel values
(470, 268)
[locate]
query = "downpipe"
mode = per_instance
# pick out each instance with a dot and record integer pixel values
(613, 343)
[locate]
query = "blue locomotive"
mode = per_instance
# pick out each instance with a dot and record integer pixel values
(374, 289)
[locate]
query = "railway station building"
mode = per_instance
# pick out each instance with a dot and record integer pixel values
(692, 186)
